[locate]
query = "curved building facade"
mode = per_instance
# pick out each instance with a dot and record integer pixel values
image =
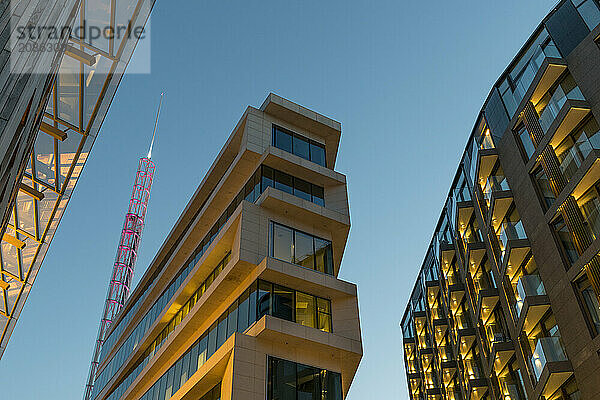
(506, 305)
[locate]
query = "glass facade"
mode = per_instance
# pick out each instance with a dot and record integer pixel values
(288, 380)
(296, 247)
(590, 303)
(261, 298)
(299, 145)
(260, 180)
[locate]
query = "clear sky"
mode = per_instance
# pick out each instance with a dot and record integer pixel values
(405, 79)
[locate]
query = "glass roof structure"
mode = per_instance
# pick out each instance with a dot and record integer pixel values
(88, 76)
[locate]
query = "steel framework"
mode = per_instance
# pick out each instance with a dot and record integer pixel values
(131, 235)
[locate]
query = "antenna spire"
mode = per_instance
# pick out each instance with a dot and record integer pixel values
(155, 125)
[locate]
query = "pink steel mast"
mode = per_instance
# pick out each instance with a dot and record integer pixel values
(120, 281)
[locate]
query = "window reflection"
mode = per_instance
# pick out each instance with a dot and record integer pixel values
(299, 145)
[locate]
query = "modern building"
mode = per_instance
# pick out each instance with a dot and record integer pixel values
(54, 95)
(242, 301)
(506, 304)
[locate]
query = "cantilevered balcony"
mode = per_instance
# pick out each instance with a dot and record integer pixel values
(498, 197)
(456, 293)
(440, 326)
(510, 231)
(562, 113)
(449, 369)
(475, 254)
(502, 348)
(572, 153)
(487, 299)
(531, 301)
(463, 216)
(447, 253)
(433, 290)
(477, 385)
(465, 334)
(550, 365)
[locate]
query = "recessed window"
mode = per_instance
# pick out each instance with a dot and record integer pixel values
(288, 380)
(302, 249)
(590, 304)
(566, 239)
(544, 188)
(526, 141)
(299, 145)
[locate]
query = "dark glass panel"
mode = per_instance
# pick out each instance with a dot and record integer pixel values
(222, 330)
(283, 243)
(284, 182)
(243, 312)
(331, 385)
(267, 177)
(193, 360)
(232, 318)
(202, 351)
(283, 303)
(252, 307)
(308, 382)
(301, 147)
(302, 189)
(212, 340)
(282, 380)
(263, 301)
(323, 256)
(317, 153)
(283, 140)
(303, 250)
(318, 197)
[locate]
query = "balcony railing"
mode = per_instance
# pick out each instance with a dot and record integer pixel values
(528, 285)
(494, 183)
(555, 103)
(572, 158)
(548, 349)
(510, 231)
(592, 218)
(463, 321)
(472, 369)
(524, 80)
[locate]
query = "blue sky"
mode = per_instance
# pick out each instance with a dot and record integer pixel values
(405, 79)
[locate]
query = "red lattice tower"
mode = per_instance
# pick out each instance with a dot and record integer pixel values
(122, 274)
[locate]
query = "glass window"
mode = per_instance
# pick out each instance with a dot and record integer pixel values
(243, 312)
(193, 357)
(589, 300)
(252, 306)
(331, 383)
(543, 184)
(318, 196)
(566, 239)
(324, 314)
(212, 340)
(301, 147)
(309, 385)
(222, 330)
(306, 309)
(317, 153)
(267, 177)
(282, 140)
(302, 189)
(282, 380)
(263, 303)
(232, 319)
(283, 244)
(304, 252)
(323, 256)
(283, 303)
(284, 182)
(589, 12)
(526, 141)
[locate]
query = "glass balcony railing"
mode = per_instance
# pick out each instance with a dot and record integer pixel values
(472, 369)
(494, 183)
(510, 231)
(528, 285)
(555, 103)
(446, 353)
(591, 220)
(495, 333)
(547, 349)
(523, 81)
(510, 389)
(462, 321)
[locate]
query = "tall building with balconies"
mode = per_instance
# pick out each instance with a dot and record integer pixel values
(506, 304)
(242, 301)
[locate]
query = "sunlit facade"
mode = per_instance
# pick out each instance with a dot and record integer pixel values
(78, 84)
(506, 304)
(242, 301)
